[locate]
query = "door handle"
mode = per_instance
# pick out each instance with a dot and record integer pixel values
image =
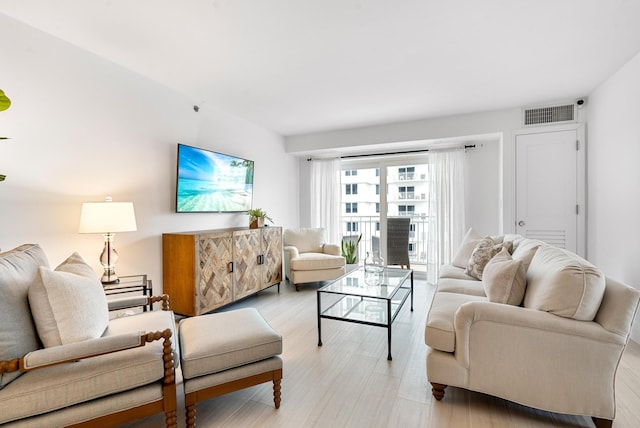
(521, 223)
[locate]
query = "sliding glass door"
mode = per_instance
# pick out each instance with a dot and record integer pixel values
(374, 189)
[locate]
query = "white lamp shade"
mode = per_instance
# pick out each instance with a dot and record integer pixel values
(107, 217)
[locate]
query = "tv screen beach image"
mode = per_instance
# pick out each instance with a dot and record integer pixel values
(212, 182)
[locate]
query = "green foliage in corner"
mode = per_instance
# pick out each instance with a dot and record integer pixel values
(5, 103)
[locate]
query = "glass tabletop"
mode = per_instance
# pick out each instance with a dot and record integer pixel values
(358, 283)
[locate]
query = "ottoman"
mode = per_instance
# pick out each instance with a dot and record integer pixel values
(226, 352)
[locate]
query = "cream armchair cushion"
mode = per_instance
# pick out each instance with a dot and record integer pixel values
(308, 258)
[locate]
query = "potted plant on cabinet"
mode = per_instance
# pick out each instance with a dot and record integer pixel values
(257, 217)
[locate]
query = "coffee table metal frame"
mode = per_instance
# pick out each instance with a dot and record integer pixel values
(358, 302)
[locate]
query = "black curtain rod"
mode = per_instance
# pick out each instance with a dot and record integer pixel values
(469, 146)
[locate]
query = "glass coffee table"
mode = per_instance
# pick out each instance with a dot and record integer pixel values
(350, 298)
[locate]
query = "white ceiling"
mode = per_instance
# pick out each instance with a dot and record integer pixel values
(300, 66)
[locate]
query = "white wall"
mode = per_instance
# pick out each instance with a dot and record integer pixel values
(83, 128)
(483, 188)
(614, 177)
(488, 202)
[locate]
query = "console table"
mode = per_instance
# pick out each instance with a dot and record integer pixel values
(205, 270)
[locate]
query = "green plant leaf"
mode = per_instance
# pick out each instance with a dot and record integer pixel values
(2, 177)
(350, 250)
(5, 102)
(258, 213)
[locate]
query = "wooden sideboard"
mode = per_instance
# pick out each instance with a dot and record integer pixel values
(207, 269)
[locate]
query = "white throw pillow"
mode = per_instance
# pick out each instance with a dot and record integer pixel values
(563, 283)
(469, 242)
(68, 305)
(482, 253)
(504, 279)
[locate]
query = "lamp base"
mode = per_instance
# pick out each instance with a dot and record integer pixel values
(107, 281)
(108, 259)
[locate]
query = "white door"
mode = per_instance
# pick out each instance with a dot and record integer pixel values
(549, 188)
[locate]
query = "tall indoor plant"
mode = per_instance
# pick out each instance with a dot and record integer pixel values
(350, 250)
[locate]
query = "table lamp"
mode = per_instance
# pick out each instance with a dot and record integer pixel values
(107, 218)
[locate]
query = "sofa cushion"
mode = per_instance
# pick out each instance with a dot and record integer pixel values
(564, 284)
(463, 286)
(526, 256)
(504, 279)
(482, 253)
(68, 304)
(526, 249)
(454, 272)
(440, 332)
(18, 335)
(305, 239)
(316, 261)
(469, 242)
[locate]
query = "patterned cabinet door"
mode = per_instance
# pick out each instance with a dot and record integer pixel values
(246, 269)
(215, 279)
(272, 253)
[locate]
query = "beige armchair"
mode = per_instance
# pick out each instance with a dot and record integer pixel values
(308, 258)
(64, 362)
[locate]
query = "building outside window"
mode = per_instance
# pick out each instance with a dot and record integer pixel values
(371, 194)
(406, 192)
(406, 209)
(406, 173)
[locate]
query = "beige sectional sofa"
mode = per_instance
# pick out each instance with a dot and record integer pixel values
(530, 323)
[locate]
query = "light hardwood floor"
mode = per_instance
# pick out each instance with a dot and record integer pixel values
(348, 382)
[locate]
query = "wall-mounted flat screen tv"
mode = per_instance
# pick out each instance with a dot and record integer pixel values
(208, 181)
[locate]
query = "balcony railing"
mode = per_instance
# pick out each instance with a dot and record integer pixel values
(368, 227)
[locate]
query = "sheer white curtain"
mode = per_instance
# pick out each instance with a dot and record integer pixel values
(446, 208)
(325, 197)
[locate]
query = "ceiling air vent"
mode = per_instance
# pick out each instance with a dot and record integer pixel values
(552, 114)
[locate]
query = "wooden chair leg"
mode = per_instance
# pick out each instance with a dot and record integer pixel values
(602, 423)
(190, 413)
(171, 419)
(276, 392)
(438, 390)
